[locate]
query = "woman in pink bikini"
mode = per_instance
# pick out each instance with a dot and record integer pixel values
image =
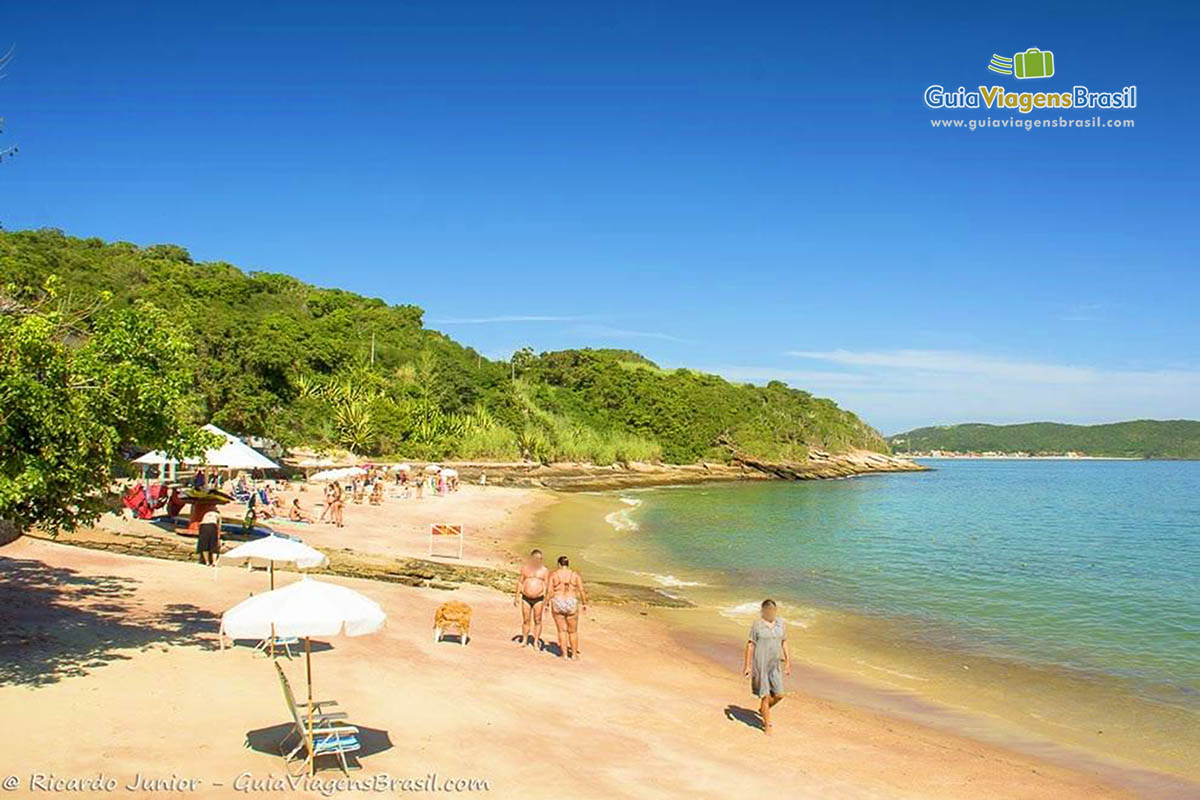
(567, 599)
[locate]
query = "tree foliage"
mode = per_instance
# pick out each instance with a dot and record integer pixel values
(76, 390)
(1144, 438)
(322, 367)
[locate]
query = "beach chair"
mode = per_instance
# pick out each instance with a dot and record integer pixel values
(282, 643)
(328, 738)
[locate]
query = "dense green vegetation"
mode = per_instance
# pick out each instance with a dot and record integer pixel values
(1143, 438)
(78, 387)
(322, 367)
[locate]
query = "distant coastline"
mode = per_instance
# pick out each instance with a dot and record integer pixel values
(938, 454)
(1140, 439)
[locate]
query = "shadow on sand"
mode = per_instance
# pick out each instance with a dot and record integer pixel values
(745, 716)
(58, 623)
(266, 740)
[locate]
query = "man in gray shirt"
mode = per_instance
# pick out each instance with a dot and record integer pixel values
(767, 660)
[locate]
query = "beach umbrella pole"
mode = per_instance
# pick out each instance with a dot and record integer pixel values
(312, 758)
(271, 572)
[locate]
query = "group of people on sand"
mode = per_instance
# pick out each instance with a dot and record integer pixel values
(563, 590)
(766, 658)
(335, 504)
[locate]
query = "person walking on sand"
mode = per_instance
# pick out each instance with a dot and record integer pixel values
(531, 597)
(327, 509)
(208, 544)
(337, 504)
(567, 599)
(767, 660)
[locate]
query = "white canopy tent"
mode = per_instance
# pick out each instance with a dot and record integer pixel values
(233, 454)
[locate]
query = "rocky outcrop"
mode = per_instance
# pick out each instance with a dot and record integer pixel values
(823, 465)
(742, 467)
(593, 477)
(151, 543)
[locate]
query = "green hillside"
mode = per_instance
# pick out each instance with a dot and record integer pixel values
(1143, 438)
(323, 367)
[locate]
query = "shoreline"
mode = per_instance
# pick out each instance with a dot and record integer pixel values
(709, 630)
(150, 638)
(632, 607)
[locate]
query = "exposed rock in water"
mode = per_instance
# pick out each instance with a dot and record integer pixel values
(593, 477)
(821, 464)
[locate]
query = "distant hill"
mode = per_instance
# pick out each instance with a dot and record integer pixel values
(327, 368)
(1142, 438)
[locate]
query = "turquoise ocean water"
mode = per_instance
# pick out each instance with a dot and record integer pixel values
(1079, 565)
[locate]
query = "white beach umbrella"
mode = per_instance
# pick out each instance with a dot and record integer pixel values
(233, 454)
(315, 462)
(339, 474)
(305, 608)
(450, 473)
(403, 467)
(432, 468)
(271, 549)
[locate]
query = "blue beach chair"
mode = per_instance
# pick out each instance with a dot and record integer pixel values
(328, 738)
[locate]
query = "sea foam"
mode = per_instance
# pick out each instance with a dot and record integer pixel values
(621, 519)
(669, 581)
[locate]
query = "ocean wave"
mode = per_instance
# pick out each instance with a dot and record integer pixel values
(621, 519)
(748, 611)
(669, 581)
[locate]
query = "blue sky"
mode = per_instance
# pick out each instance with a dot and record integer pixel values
(751, 190)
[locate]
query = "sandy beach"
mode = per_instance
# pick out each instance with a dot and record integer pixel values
(113, 663)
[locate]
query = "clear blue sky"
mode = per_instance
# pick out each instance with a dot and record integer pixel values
(752, 190)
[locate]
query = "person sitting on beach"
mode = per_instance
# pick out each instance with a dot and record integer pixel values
(567, 599)
(766, 650)
(298, 514)
(531, 597)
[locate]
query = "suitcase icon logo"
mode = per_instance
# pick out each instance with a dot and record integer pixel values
(1033, 63)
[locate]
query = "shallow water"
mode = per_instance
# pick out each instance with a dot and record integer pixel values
(1060, 595)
